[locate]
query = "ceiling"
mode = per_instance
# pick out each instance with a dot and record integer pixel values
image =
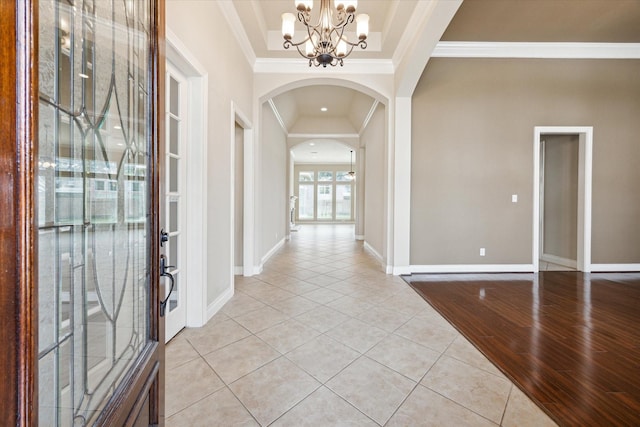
(262, 24)
(607, 21)
(322, 151)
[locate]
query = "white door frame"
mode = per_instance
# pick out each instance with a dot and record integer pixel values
(196, 155)
(585, 164)
(237, 116)
(176, 318)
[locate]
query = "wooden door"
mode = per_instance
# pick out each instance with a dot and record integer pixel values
(81, 89)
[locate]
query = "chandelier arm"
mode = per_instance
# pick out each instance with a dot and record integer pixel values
(328, 35)
(340, 25)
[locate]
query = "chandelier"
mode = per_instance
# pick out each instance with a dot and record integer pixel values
(325, 42)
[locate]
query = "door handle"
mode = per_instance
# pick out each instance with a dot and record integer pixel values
(165, 273)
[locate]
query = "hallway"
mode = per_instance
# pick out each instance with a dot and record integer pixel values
(323, 337)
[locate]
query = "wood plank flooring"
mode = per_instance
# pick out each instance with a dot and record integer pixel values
(570, 341)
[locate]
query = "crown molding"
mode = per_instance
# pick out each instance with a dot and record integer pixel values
(278, 116)
(537, 50)
(300, 65)
(367, 119)
(235, 24)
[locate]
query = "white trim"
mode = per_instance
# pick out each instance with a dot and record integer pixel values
(367, 119)
(257, 269)
(466, 268)
(216, 305)
(373, 252)
(400, 183)
(256, 5)
(278, 116)
(248, 221)
(271, 252)
(428, 22)
(238, 270)
(615, 267)
(537, 50)
(196, 232)
(301, 66)
(565, 262)
(359, 237)
(237, 29)
(181, 56)
(237, 116)
(585, 172)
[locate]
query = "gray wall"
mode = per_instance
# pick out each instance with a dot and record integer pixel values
(273, 186)
(472, 133)
(374, 186)
(560, 207)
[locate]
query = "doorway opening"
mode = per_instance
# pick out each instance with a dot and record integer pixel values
(562, 198)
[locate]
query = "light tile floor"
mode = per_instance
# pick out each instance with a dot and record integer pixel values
(324, 338)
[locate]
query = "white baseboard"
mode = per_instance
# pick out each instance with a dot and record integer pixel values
(398, 271)
(215, 306)
(373, 252)
(258, 268)
(565, 262)
(465, 268)
(614, 267)
(359, 236)
(238, 270)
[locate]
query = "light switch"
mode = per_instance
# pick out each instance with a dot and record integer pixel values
(514, 198)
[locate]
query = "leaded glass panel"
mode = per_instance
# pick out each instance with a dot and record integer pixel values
(93, 205)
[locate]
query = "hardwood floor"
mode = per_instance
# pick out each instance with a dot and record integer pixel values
(570, 341)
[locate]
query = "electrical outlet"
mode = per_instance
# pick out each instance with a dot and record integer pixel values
(514, 198)
(482, 251)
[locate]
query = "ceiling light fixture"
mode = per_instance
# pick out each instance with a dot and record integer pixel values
(352, 174)
(323, 109)
(325, 42)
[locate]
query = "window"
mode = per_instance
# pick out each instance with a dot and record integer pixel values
(343, 201)
(306, 176)
(325, 193)
(343, 176)
(306, 206)
(325, 176)
(325, 201)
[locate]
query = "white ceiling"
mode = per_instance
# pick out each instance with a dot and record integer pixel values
(322, 151)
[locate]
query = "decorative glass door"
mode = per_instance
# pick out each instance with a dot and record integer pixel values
(175, 183)
(94, 204)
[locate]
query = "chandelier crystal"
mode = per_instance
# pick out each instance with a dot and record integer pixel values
(326, 42)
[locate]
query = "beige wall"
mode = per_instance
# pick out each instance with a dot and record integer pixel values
(374, 186)
(273, 187)
(472, 133)
(560, 202)
(215, 47)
